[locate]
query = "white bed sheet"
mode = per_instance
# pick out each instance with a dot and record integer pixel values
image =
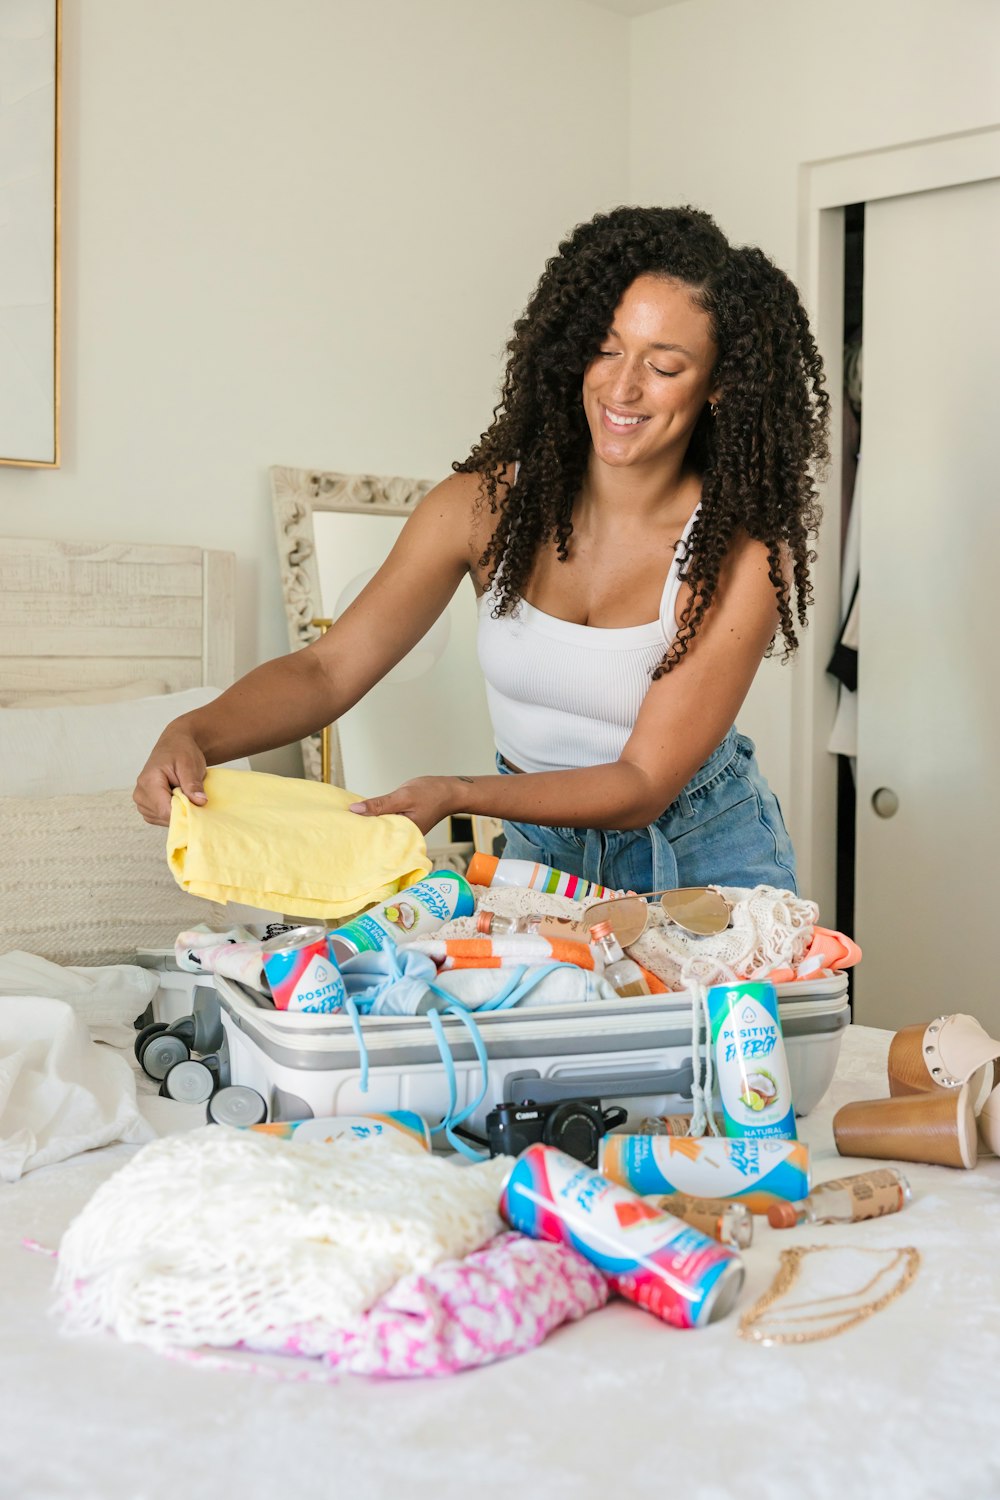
(617, 1406)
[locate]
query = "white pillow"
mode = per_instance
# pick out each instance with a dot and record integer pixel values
(83, 748)
(144, 687)
(83, 880)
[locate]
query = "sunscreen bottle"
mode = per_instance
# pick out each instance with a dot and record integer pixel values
(413, 912)
(751, 1069)
(490, 869)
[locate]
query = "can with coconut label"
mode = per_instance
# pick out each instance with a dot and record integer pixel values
(414, 912)
(750, 1064)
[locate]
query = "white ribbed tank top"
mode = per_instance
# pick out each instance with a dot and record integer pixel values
(563, 696)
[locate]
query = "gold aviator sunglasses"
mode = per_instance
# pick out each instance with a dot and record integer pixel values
(694, 908)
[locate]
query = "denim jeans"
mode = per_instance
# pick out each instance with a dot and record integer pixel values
(724, 828)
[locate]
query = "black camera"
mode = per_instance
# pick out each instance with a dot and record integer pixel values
(575, 1126)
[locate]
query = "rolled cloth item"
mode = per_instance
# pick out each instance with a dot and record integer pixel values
(404, 981)
(513, 949)
(498, 1301)
(563, 985)
(289, 845)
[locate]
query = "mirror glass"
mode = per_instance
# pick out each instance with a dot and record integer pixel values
(429, 715)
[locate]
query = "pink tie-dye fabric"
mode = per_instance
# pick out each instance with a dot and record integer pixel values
(499, 1301)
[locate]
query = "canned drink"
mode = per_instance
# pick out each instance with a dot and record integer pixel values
(414, 912)
(653, 1259)
(757, 1171)
(400, 1124)
(301, 973)
(723, 1219)
(751, 1067)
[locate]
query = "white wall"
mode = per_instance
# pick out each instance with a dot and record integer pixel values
(729, 97)
(298, 233)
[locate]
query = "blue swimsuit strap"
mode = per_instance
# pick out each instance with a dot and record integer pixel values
(512, 994)
(457, 1117)
(355, 1020)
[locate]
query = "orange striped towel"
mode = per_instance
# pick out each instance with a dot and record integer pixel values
(504, 952)
(514, 949)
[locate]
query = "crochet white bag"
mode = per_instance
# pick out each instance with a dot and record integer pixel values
(222, 1236)
(768, 929)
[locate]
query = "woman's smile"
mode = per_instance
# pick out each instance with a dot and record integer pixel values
(647, 386)
(618, 421)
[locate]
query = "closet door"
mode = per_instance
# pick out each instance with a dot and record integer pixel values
(928, 829)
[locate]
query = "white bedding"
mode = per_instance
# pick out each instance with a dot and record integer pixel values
(67, 750)
(612, 1408)
(60, 1093)
(83, 880)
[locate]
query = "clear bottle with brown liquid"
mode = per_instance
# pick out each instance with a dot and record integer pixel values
(622, 973)
(495, 924)
(729, 1222)
(846, 1200)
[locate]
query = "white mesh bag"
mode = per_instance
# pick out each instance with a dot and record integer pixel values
(224, 1236)
(768, 929)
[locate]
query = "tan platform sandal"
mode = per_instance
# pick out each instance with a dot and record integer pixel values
(949, 1053)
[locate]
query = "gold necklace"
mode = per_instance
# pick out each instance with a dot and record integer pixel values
(906, 1260)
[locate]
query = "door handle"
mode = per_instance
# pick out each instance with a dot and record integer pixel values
(885, 802)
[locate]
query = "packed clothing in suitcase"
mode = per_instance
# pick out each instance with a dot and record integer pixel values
(509, 1001)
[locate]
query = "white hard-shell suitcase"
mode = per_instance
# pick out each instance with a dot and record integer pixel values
(636, 1053)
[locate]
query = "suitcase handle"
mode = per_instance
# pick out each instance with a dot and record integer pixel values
(520, 1087)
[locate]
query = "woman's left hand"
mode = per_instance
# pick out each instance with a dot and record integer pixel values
(425, 801)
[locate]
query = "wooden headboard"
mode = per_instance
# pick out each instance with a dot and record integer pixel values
(86, 614)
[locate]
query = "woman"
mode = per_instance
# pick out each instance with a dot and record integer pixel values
(636, 524)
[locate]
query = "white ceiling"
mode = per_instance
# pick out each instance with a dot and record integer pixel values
(634, 7)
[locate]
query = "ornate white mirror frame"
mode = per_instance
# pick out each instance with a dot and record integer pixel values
(298, 494)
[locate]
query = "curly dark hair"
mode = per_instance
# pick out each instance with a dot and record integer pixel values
(757, 457)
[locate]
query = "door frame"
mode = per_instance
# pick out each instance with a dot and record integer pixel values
(825, 188)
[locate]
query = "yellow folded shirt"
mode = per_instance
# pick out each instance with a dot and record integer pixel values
(289, 846)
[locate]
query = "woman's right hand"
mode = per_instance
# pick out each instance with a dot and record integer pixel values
(176, 761)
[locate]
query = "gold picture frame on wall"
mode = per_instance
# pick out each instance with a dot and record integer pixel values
(31, 44)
